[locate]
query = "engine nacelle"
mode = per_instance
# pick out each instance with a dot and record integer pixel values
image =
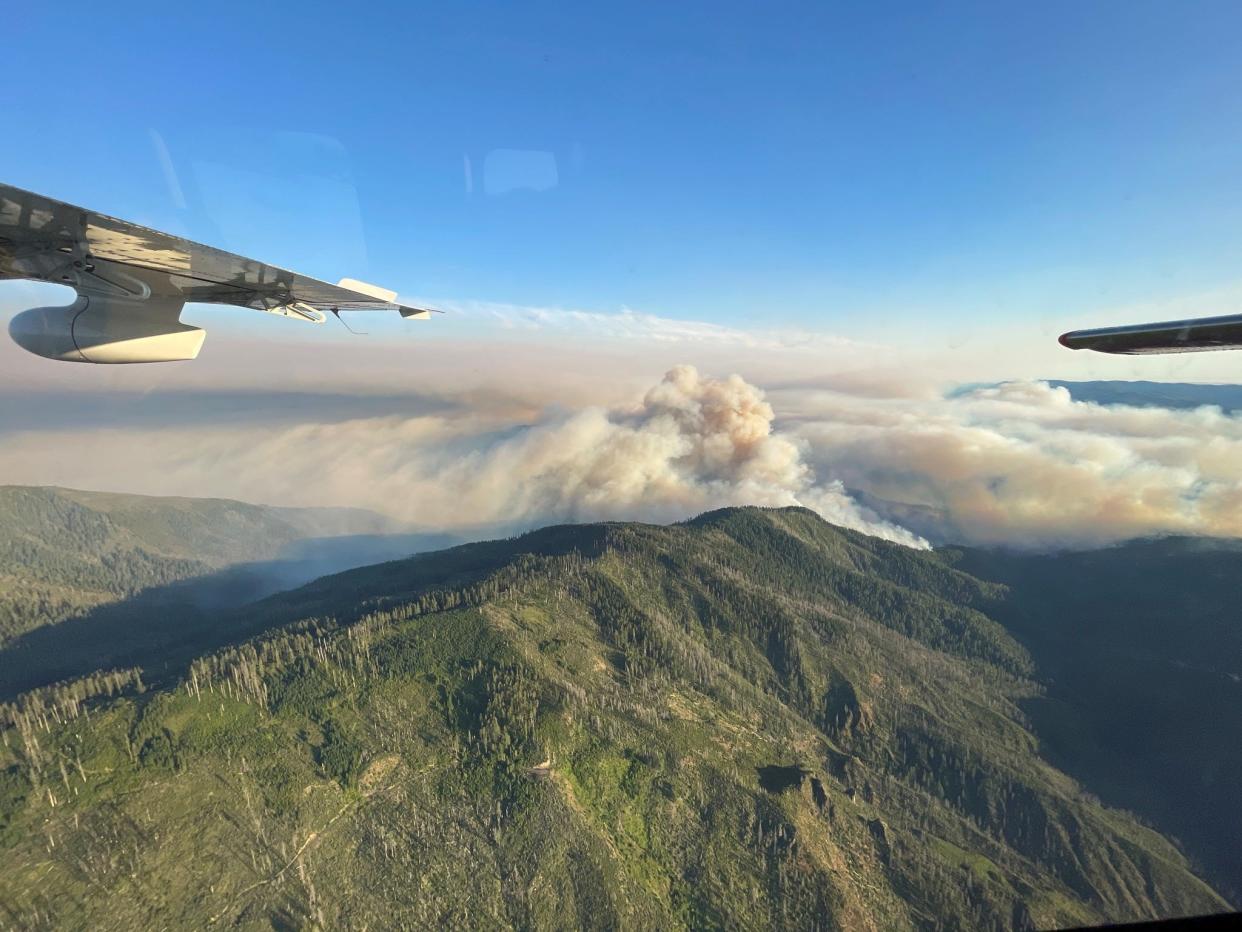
(108, 330)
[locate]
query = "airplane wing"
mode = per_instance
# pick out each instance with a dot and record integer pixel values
(132, 282)
(1173, 336)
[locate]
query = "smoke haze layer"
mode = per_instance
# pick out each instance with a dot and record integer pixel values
(1023, 464)
(1020, 464)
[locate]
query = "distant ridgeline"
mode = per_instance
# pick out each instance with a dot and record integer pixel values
(92, 580)
(1140, 394)
(751, 720)
(1155, 394)
(63, 551)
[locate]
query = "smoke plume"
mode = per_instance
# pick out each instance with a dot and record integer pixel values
(691, 444)
(1021, 464)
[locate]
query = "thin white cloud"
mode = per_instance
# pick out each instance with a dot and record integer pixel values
(628, 324)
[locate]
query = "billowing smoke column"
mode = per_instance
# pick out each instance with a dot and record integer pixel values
(696, 443)
(1021, 464)
(692, 444)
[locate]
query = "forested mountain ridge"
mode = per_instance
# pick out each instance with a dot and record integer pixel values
(754, 719)
(63, 551)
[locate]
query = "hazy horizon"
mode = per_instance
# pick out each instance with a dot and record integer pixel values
(1017, 463)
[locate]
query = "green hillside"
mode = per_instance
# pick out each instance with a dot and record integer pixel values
(753, 720)
(64, 551)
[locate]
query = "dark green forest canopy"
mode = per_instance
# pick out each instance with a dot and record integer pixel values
(92, 580)
(754, 719)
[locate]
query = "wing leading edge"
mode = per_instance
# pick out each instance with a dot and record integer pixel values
(132, 283)
(1196, 335)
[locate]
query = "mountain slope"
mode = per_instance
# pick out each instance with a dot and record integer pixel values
(1142, 648)
(63, 551)
(751, 720)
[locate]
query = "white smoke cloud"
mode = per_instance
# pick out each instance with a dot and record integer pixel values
(1021, 464)
(691, 444)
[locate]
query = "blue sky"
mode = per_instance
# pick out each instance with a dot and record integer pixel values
(805, 165)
